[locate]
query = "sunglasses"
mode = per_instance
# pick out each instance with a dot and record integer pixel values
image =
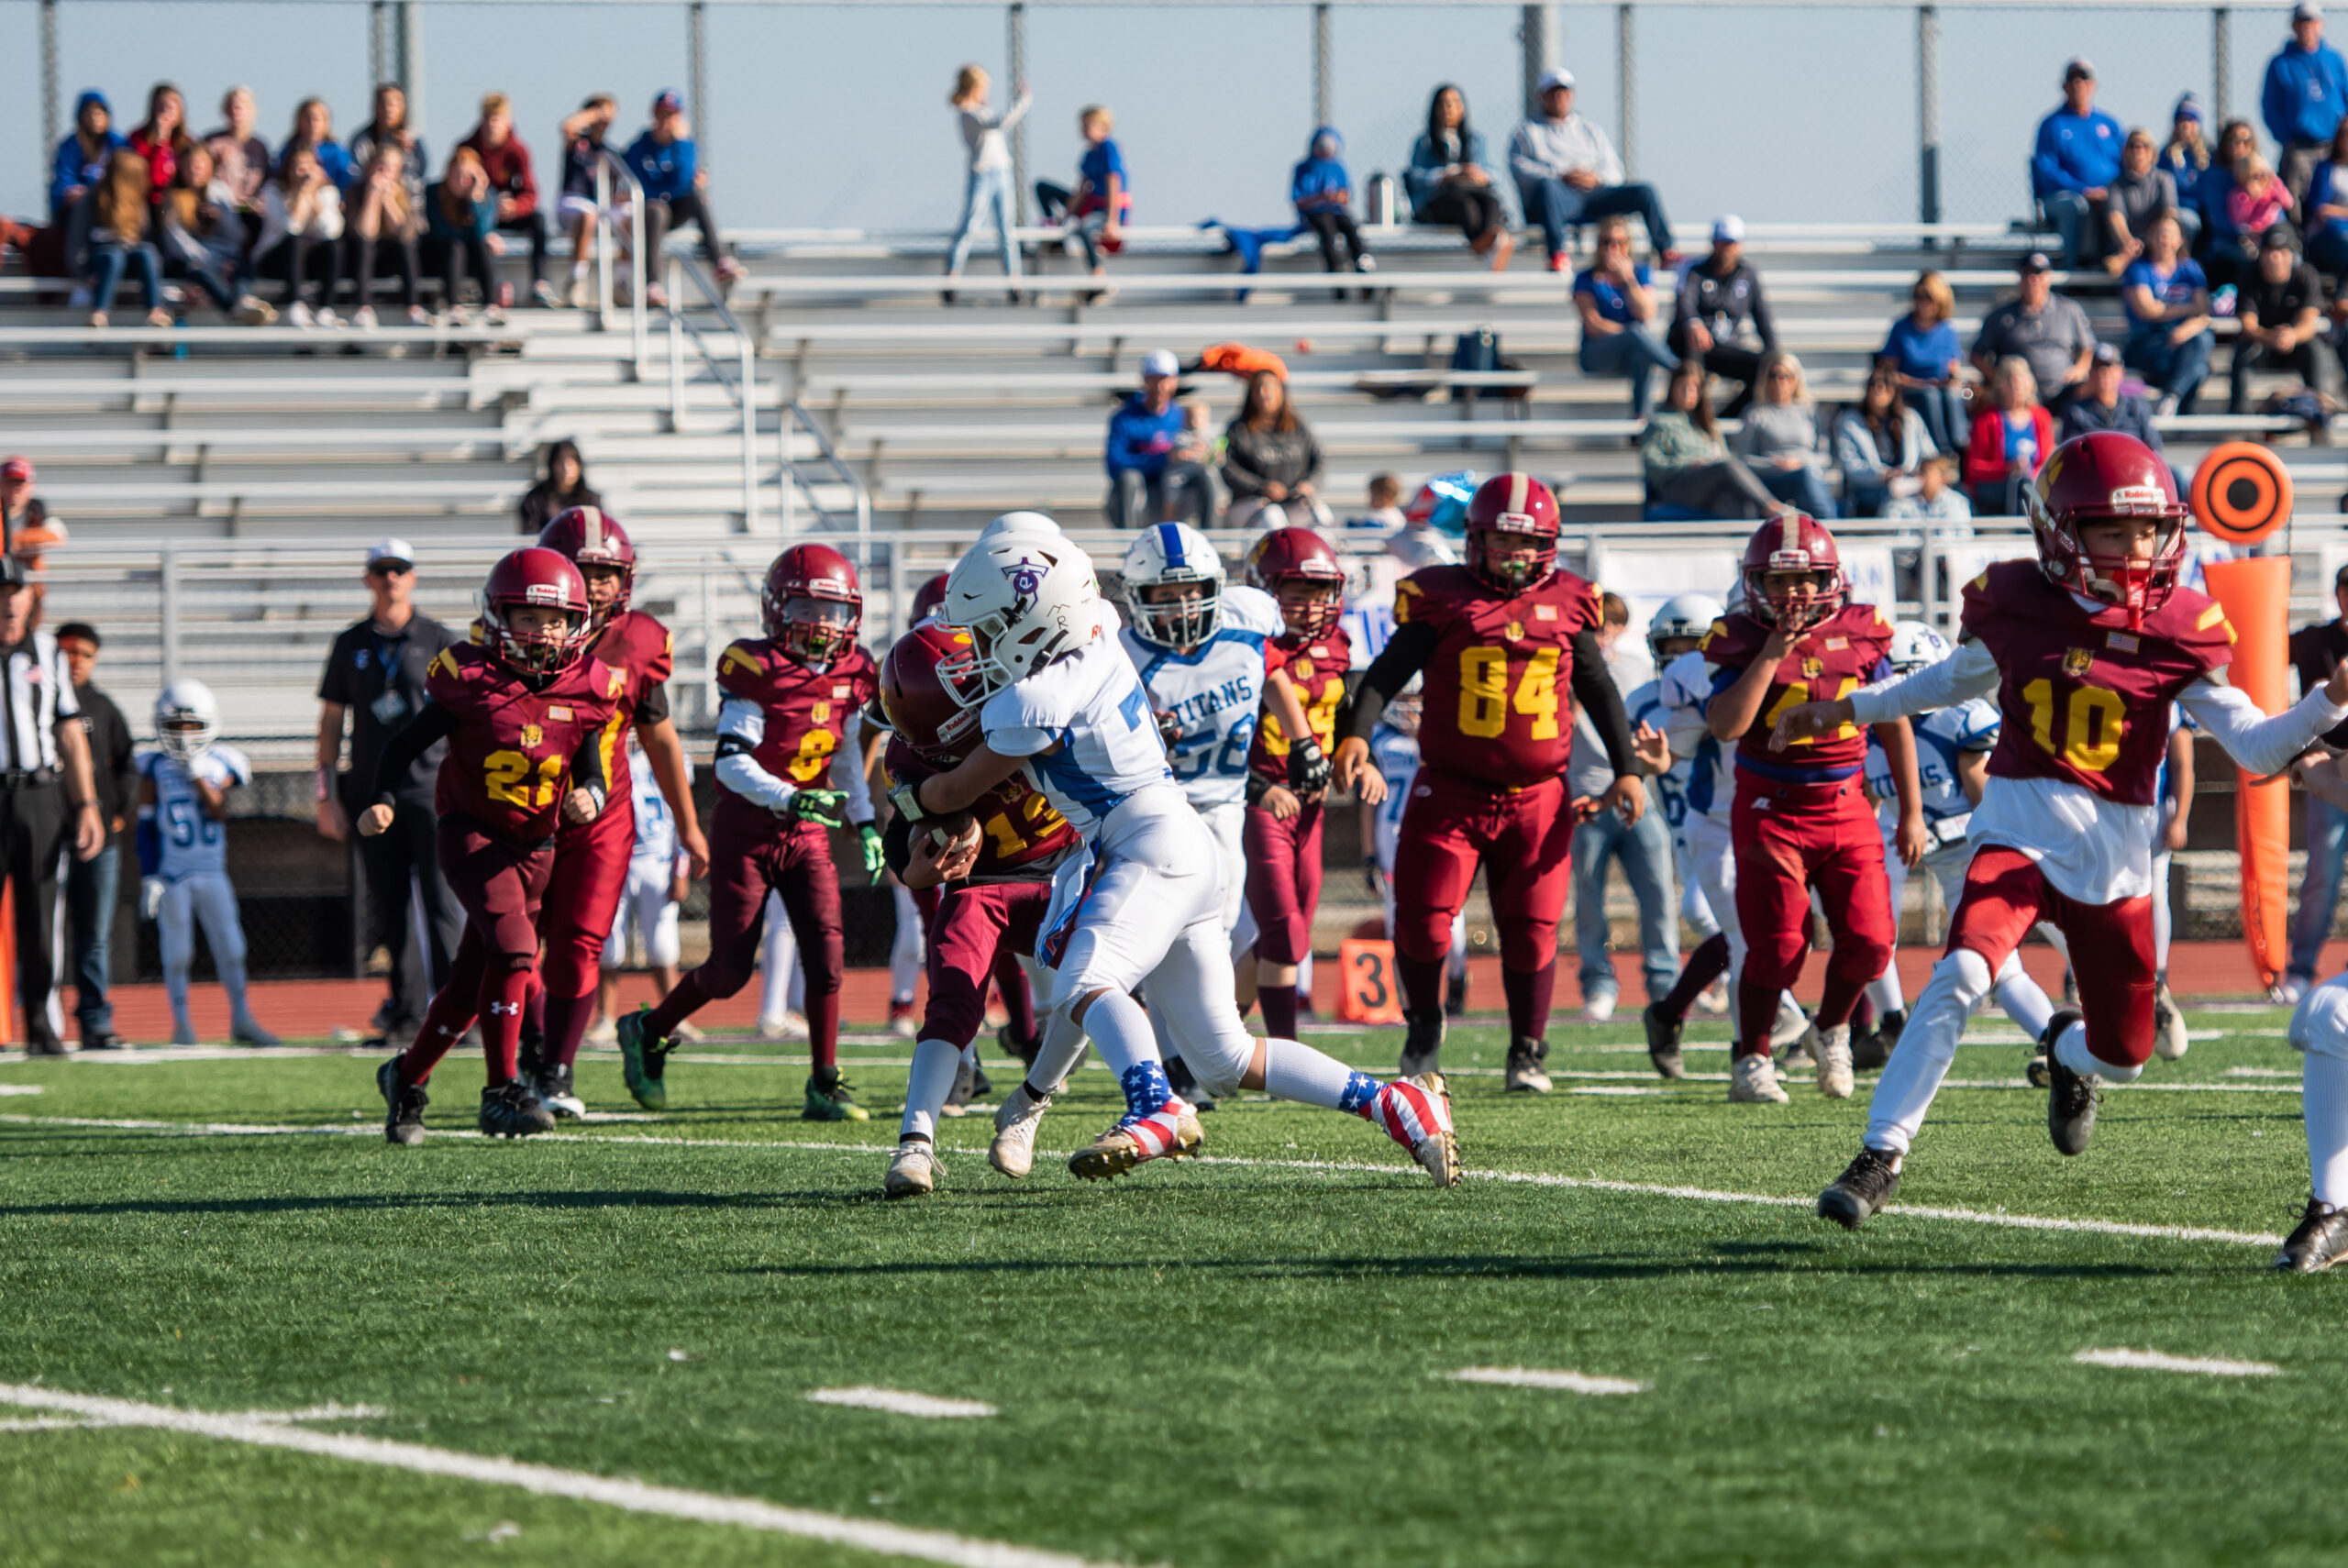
(385, 568)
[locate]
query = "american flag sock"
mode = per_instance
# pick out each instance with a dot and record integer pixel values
(1410, 1115)
(1153, 1110)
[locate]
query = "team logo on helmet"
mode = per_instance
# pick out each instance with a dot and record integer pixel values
(1026, 577)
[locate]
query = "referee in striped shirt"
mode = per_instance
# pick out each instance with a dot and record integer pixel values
(47, 795)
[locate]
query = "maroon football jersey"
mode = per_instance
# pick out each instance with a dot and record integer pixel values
(1833, 658)
(1316, 667)
(1021, 836)
(640, 649)
(807, 709)
(1497, 683)
(509, 757)
(2083, 696)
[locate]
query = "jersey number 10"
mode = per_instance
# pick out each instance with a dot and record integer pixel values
(2093, 721)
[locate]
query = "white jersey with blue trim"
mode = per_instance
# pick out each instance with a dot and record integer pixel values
(1396, 757)
(191, 840)
(1215, 692)
(1942, 737)
(1669, 786)
(656, 825)
(1108, 775)
(1683, 692)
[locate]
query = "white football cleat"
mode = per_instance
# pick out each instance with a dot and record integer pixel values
(2169, 1038)
(1753, 1080)
(783, 1028)
(914, 1173)
(1597, 1007)
(1013, 1149)
(605, 1033)
(1835, 1077)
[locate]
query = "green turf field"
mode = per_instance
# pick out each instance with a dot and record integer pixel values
(1245, 1360)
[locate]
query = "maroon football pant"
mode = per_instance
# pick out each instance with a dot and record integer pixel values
(972, 932)
(582, 899)
(499, 885)
(1284, 881)
(1520, 837)
(2005, 894)
(751, 850)
(1787, 840)
(1010, 979)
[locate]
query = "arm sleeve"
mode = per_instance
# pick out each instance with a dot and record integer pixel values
(587, 766)
(847, 770)
(1966, 673)
(2259, 744)
(897, 844)
(655, 705)
(1595, 690)
(432, 723)
(149, 839)
(1405, 653)
(741, 726)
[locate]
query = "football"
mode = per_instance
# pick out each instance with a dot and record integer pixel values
(958, 830)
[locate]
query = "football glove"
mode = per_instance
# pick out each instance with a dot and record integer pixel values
(1308, 768)
(1374, 875)
(820, 806)
(874, 857)
(150, 897)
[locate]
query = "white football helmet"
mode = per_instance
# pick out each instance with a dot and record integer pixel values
(187, 719)
(1168, 554)
(1914, 645)
(1028, 525)
(1025, 600)
(1682, 615)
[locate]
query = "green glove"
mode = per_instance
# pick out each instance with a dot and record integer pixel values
(824, 806)
(874, 859)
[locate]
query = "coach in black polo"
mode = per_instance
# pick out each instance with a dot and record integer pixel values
(375, 678)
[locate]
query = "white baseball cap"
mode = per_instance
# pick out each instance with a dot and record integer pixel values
(1554, 77)
(1160, 363)
(397, 550)
(1728, 230)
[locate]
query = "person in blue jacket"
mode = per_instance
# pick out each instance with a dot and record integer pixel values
(1324, 193)
(665, 162)
(1148, 483)
(82, 156)
(2305, 96)
(2077, 158)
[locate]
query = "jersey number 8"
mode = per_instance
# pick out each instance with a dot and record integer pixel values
(815, 748)
(1484, 701)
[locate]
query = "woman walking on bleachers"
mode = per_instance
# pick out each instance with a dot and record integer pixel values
(1449, 184)
(1880, 444)
(301, 234)
(1688, 469)
(1779, 436)
(1929, 361)
(563, 484)
(1270, 461)
(121, 215)
(986, 177)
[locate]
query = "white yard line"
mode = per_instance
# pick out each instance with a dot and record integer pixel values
(901, 1402)
(1533, 1377)
(2154, 1361)
(19, 1089)
(545, 1481)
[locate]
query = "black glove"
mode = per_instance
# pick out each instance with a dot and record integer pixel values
(1258, 787)
(1308, 768)
(1374, 875)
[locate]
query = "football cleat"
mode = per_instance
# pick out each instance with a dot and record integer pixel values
(1891, 1025)
(248, 1031)
(783, 1028)
(2169, 1038)
(1862, 1190)
(1597, 1007)
(529, 1048)
(902, 1022)
(1133, 1141)
(1835, 1078)
(2071, 1100)
(1422, 1042)
(1523, 1074)
(830, 1100)
(643, 1061)
(1663, 1041)
(510, 1110)
(1753, 1080)
(1018, 1050)
(403, 1104)
(1185, 1084)
(1801, 1051)
(1013, 1149)
(556, 1091)
(2036, 1071)
(2319, 1240)
(1416, 1113)
(958, 1099)
(1872, 1051)
(914, 1172)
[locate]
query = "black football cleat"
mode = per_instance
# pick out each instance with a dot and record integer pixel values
(1021, 1051)
(1663, 1041)
(1870, 1051)
(2320, 1239)
(1422, 1044)
(403, 1104)
(1861, 1191)
(1891, 1026)
(556, 1087)
(2036, 1069)
(2071, 1100)
(510, 1110)
(1522, 1073)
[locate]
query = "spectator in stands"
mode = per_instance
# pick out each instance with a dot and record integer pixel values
(1937, 497)
(241, 159)
(16, 497)
(2047, 329)
(1568, 173)
(1151, 478)
(2325, 210)
(1617, 307)
(2141, 189)
(1644, 848)
(2221, 247)
(201, 238)
(2077, 158)
(582, 151)
(2315, 651)
(1322, 190)
(1271, 461)
(2259, 202)
(507, 162)
(2011, 438)
(1925, 356)
(2104, 404)
(2168, 298)
(390, 128)
(161, 137)
(461, 212)
(2305, 96)
(1720, 295)
(2186, 158)
(986, 169)
(90, 901)
(301, 234)
(1685, 461)
(81, 160)
(1384, 513)
(2281, 314)
(121, 219)
(1449, 184)
(314, 129)
(676, 192)
(1879, 444)
(563, 484)
(1780, 440)
(385, 223)
(1103, 190)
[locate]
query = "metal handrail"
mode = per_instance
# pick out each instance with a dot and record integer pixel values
(607, 163)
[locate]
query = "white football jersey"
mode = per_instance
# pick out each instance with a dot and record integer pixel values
(656, 825)
(1396, 757)
(1942, 737)
(1109, 776)
(1215, 692)
(191, 840)
(1683, 692)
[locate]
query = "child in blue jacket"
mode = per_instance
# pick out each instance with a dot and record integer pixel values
(1324, 195)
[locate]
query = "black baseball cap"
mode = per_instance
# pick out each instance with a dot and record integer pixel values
(2034, 264)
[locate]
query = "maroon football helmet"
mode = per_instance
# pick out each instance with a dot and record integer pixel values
(1286, 557)
(930, 688)
(592, 537)
(2095, 478)
(926, 598)
(545, 578)
(1513, 510)
(811, 603)
(1794, 541)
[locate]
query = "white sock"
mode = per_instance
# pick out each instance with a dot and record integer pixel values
(2020, 995)
(925, 1091)
(1885, 992)
(2323, 1095)
(2072, 1051)
(1056, 1056)
(1293, 1070)
(1121, 1032)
